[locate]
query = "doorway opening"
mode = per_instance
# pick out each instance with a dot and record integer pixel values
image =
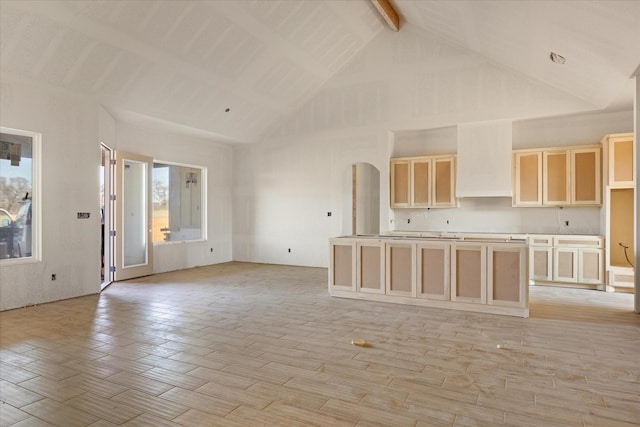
(365, 199)
(106, 217)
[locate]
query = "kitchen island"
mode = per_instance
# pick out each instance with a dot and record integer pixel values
(474, 272)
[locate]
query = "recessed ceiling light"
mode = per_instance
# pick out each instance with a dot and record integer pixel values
(558, 59)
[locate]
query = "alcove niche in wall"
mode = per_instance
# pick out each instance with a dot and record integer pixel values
(361, 199)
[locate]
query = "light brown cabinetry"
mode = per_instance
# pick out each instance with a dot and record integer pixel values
(370, 263)
(565, 265)
(620, 150)
(528, 178)
(556, 178)
(342, 265)
(506, 265)
(619, 212)
(468, 273)
(433, 271)
(586, 176)
(400, 263)
(569, 176)
(570, 259)
(486, 274)
(578, 265)
(400, 183)
(423, 182)
(541, 258)
(487, 277)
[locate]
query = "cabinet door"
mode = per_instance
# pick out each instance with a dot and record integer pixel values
(540, 263)
(421, 182)
(565, 265)
(621, 160)
(370, 272)
(590, 266)
(468, 273)
(400, 263)
(432, 271)
(528, 179)
(342, 265)
(444, 190)
(585, 176)
(556, 178)
(507, 275)
(400, 183)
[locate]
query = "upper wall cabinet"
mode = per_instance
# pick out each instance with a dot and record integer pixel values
(527, 178)
(586, 176)
(620, 151)
(423, 182)
(569, 176)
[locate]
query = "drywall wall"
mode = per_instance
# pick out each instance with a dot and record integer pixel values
(284, 186)
(69, 184)
(72, 127)
(168, 147)
(282, 194)
(636, 127)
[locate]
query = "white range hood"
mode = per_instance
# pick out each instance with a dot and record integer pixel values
(484, 159)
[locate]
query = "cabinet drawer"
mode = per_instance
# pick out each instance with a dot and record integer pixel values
(578, 241)
(540, 240)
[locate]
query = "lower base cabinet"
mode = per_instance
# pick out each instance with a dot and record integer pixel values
(487, 277)
(575, 260)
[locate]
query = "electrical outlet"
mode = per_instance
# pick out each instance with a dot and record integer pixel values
(566, 223)
(447, 221)
(409, 221)
(328, 213)
(289, 250)
(53, 276)
(211, 250)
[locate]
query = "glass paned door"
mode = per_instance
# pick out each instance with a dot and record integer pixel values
(133, 216)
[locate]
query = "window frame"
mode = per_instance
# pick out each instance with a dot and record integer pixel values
(203, 204)
(36, 197)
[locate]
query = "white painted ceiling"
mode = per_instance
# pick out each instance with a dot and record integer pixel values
(181, 64)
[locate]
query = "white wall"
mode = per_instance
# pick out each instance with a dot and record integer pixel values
(70, 184)
(282, 194)
(165, 146)
(72, 127)
(284, 186)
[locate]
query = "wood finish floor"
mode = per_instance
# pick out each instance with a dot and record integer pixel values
(247, 344)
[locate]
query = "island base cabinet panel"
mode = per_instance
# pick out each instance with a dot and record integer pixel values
(468, 273)
(432, 271)
(370, 272)
(342, 265)
(507, 276)
(400, 265)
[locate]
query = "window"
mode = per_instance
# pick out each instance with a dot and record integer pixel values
(178, 197)
(18, 185)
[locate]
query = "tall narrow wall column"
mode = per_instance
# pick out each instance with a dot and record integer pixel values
(636, 153)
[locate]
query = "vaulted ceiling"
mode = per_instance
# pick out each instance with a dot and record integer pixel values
(184, 63)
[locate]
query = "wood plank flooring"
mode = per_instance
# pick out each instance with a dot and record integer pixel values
(242, 344)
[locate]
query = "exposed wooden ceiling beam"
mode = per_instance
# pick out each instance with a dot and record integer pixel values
(387, 12)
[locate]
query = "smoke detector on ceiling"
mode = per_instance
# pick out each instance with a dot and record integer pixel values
(558, 59)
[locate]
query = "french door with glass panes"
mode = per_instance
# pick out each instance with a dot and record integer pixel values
(133, 213)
